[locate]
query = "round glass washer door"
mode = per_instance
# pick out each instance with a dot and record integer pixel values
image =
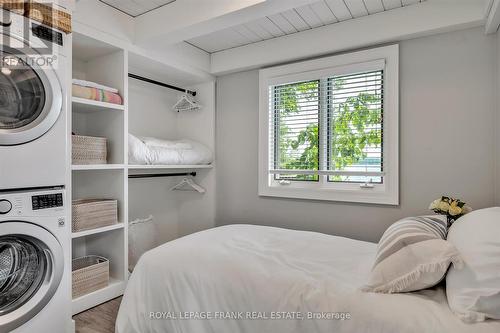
(31, 267)
(30, 97)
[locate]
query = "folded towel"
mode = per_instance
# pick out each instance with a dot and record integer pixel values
(96, 94)
(91, 84)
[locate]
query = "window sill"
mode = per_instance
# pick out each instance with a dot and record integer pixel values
(365, 196)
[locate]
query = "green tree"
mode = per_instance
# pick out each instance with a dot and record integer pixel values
(354, 126)
(288, 104)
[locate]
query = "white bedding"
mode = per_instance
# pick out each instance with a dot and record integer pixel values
(151, 151)
(239, 269)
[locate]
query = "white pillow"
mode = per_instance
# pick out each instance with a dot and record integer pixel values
(412, 255)
(474, 292)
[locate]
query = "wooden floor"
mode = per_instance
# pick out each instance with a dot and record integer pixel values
(100, 319)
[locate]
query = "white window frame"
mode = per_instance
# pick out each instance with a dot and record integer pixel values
(386, 193)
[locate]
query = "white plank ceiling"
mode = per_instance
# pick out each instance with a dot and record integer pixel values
(135, 8)
(317, 14)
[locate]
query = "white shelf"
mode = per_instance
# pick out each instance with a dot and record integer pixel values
(175, 167)
(98, 61)
(97, 230)
(113, 290)
(97, 167)
(83, 105)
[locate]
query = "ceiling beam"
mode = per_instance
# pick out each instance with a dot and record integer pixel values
(94, 19)
(427, 18)
(186, 19)
(98, 16)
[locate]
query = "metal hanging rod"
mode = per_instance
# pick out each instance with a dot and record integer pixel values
(157, 175)
(158, 83)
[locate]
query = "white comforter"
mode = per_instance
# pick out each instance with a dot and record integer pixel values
(261, 273)
(151, 151)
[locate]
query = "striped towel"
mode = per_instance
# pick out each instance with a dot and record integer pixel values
(91, 84)
(96, 94)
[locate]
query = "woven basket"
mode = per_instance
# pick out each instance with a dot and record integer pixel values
(93, 213)
(43, 13)
(89, 273)
(89, 150)
(49, 16)
(16, 6)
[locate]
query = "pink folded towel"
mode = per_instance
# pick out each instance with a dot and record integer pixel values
(96, 94)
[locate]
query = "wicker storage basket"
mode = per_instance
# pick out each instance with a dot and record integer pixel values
(89, 150)
(93, 213)
(89, 273)
(44, 13)
(50, 16)
(16, 6)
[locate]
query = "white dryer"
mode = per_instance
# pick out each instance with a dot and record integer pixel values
(34, 262)
(33, 103)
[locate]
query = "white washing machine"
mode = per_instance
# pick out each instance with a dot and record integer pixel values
(34, 262)
(33, 101)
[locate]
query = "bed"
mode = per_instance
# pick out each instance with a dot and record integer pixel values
(243, 278)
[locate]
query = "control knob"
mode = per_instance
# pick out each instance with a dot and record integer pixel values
(5, 206)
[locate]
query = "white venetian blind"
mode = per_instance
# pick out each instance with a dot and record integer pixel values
(331, 127)
(294, 129)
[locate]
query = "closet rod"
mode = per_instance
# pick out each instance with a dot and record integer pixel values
(158, 83)
(156, 175)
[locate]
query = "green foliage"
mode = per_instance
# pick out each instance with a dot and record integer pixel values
(353, 128)
(287, 105)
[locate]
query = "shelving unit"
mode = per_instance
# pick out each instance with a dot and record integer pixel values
(100, 62)
(114, 289)
(97, 230)
(109, 64)
(97, 167)
(169, 167)
(85, 105)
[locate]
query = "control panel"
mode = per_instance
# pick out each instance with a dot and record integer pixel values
(32, 203)
(47, 34)
(47, 201)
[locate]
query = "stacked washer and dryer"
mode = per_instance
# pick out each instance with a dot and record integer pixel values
(35, 265)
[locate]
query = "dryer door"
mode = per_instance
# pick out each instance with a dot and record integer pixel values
(30, 98)
(31, 267)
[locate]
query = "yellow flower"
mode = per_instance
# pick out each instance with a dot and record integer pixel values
(444, 206)
(434, 204)
(455, 210)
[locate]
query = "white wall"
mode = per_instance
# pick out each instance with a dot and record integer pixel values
(197, 211)
(447, 126)
(497, 122)
(150, 114)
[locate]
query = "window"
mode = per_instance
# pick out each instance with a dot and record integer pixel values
(329, 128)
